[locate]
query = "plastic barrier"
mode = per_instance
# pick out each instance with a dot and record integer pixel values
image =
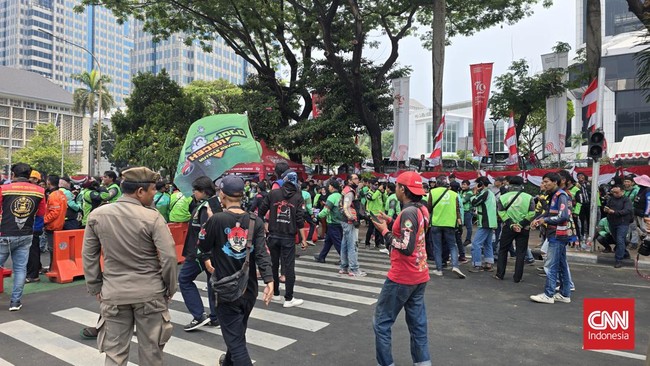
(3, 273)
(305, 230)
(179, 232)
(66, 259)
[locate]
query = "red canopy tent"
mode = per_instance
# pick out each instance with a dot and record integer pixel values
(267, 165)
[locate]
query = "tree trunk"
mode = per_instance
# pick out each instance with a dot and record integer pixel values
(641, 10)
(375, 144)
(594, 41)
(438, 59)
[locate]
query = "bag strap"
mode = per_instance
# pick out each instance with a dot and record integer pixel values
(159, 198)
(512, 201)
(251, 228)
(439, 198)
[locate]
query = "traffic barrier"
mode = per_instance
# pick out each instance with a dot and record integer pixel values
(4, 272)
(305, 231)
(179, 232)
(66, 258)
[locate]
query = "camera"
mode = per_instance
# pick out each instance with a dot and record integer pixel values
(644, 248)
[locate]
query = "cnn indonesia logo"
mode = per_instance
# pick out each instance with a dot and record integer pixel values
(608, 324)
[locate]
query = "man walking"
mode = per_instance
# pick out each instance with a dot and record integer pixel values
(516, 209)
(485, 204)
(374, 205)
(333, 216)
(21, 201)
(140, 271)
(286, 215)
(619, 215)
(349, 261)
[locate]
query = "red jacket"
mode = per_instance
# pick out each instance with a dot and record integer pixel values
(57, 204)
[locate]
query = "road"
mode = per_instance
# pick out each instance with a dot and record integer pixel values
(476, 321)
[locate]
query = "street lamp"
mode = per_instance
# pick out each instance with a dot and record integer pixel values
(494, 136)
(99, 103)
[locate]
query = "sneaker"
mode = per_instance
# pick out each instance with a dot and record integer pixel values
(384, 250)
(541, 269)
(293, 302)
(214, 323)
(437, 272)
(277, 298)
(204, 288)
(15, 306)
(463, 260)
(380, 246)
(618, 264)
(476, 269)
(357, 273)
(343, 271)
(310, 243)
(530, 262)
(318, 259)
(560, 298)
(542, 298)
(89, 333)
(222, 359)
(32, 280)
(195, 324)
(542, 274)
(458, 273)
(496, 277)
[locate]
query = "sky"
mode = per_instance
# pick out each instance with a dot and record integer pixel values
(528, 39)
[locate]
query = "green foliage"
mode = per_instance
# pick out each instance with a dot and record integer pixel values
(152, 130)
(43, 152)
(86, 98)
(109, 139)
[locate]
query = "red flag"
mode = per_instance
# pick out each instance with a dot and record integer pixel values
(511, 143)
(481, 80)
(590, 100)
(436, 155)
(315, 104)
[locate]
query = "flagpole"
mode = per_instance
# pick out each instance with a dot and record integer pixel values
(593, 210)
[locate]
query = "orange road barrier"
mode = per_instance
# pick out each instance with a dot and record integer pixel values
(305, 231)
(179, 232)
(66, 258)
(4, 272)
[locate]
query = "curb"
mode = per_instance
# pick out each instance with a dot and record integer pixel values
(602, 259)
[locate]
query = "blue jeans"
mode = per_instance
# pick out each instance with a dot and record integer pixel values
(332, 237)
(557, 268)
(349, 259)
(482, 243)
(188, 273)
(469, 217)
(619, 232)
(392, 299)
(18, 248)
(446, 235)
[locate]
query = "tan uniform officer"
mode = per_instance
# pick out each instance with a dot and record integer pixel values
(139, 275)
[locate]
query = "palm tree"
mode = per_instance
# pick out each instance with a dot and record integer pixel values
(86, 98)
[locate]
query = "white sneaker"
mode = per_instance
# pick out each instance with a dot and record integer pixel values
(437, 273)
(542, 298)
(557, 288)
(384, 250)
(278, 298)
(458, 273)
(560, 298)
(292, 303)
(357, 273)
(310, 243)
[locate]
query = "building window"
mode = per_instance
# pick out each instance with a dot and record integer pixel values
(450, 137)
(429, 137)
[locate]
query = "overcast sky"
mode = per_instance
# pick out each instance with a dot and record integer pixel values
(528, 39)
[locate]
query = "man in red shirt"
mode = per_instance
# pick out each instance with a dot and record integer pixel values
(408, 274)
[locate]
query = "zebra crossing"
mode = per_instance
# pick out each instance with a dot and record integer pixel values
(328, 297)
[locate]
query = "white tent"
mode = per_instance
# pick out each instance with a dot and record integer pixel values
(632, 147)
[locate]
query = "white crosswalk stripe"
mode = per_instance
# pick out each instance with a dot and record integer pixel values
(334, 274)
(5, 363)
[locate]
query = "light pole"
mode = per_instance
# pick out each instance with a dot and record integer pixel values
(91, 162)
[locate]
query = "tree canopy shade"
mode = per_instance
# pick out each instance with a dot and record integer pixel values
(43, 152)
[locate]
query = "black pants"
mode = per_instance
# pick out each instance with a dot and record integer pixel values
(34, 260)
(459, 242)
(312, 226)
(233, 317)
(584, 221)
(379, 239)
(606, 241)
(283, 249)
(71, 225)
(521, 246)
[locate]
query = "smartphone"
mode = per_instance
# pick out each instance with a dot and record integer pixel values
(373, 217)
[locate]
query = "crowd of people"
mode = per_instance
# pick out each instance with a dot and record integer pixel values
(241, 231)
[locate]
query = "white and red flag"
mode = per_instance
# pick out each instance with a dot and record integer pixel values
(436, 155)
(590, 100)
(511, 144)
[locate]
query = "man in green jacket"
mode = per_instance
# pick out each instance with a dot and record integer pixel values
(445, 217)
(113, 190)
(392, 208)
(333, 215)
(179, 207)
(374, 205)
(466, 195)
(486, 210)
(516, 209)
(631, 191)
(162, 199)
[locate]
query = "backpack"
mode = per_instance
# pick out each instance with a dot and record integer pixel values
(640, 202)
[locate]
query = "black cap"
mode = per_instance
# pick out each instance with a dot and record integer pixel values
(335, 183)
(232, 186)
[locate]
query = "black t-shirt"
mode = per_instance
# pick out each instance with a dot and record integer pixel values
(225, 235)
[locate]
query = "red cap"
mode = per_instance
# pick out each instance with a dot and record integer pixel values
(413, 181)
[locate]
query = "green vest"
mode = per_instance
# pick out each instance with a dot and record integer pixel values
(179, 208)
(574, 195)
(376, 203)
(393, 207)
(486, 209)
(519, 210)
(445, 213)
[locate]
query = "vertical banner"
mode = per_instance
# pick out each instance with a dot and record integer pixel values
(400, 150)
(556, 107)
(481, 80)
(315, 104)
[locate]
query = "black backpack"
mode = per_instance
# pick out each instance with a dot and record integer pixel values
(640, 203)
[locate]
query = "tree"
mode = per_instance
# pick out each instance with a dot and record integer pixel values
(531, 137)
(86, 98)
(152, 130)
(594, 41)
(43, 152)
(460, 17)
(108, 145)
(577, 140)
(642, 12)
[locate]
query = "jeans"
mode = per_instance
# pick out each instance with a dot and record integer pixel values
(469, 217)
(521, 245)
(18, 248)
(558, 268)
(349, 259)
(233, 317)
(482, 243)
(547, 265)
(392, 299)
(633, 234)
(283, 249)
(34, 261)
(379, 239)
(333, 237)
(619, 232)
(188, 273)
(446, 235)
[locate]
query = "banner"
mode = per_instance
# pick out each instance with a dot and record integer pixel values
(400, 150)
(556, 107)
(436, 155)
(590, 100)
(511, 142)
(481, 80)
(213, 145)
(315, 104)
